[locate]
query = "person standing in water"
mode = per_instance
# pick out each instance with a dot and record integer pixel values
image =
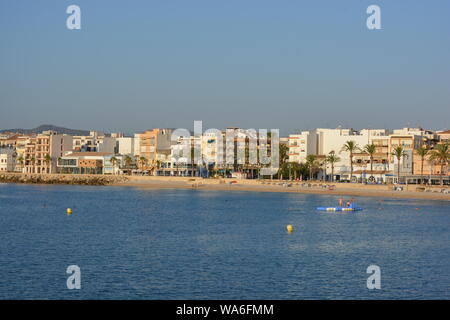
(340, 202)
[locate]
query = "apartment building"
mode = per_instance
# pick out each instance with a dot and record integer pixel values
(426, 135)
(444, 136)
(184, 159)
(154, 145)
(125, 146)
(95, 142)
(409, 143)
(8, 140)
(301, 145)
(43, 150)
(7, 159)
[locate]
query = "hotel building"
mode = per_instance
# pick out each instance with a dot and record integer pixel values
(154, 145)
(43, 150)
(7, 159)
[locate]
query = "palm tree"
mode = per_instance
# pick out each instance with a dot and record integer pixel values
(350, 147)
(370, 149)
(58, 161)
(142, 162)
(113, 161)
(324, 164)
(332, 158)
(441, 154)
(128, 161)
(47, 160)
(158, 165)
(422, 153)
(21, 160)
(283, 151)
(399, 153)
(311, 162)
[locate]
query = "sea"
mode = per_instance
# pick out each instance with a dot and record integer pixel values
(137, 243)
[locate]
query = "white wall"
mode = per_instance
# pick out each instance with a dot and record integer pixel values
(107, 145)
(7, 161)
(126, 145)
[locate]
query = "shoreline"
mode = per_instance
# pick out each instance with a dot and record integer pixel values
(227, 184)
(356, 190)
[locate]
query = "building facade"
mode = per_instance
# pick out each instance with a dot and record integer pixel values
(43, 151)
(7, 159)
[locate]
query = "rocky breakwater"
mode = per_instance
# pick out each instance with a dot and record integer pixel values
(90, 180)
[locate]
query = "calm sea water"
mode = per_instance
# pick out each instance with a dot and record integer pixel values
(192, 244)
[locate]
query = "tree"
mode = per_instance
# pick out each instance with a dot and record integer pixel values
(351, 147)
(422, 153)
(332, 159)
(142, 162)
(193, 157)
(21, 161)
(283, 152)
(114, 161)
(441, 154)
(283, 157)
(292, 169)
(324, 164)
(370, 149)
(47, 161)
(399, 153)
(128, 161)
(311, 162)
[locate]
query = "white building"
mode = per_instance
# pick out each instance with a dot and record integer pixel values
(322, 141)
(302, 145)
(94, 142)
(7, 160)
(106, 144)
(137, 143)
(125, 145)
(419, 132)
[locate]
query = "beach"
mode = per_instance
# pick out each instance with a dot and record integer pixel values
(317, 187)
(230, 184)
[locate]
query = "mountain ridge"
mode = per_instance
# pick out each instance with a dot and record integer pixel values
(45, 127)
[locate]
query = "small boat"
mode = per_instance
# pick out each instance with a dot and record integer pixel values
(333, 209)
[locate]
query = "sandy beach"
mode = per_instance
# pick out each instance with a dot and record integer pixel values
(344, 189)
(195, 183)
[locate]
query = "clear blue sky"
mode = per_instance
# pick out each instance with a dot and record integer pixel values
(250, 63)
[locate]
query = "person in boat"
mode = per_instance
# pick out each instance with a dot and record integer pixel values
(351, 203)
(340, 202)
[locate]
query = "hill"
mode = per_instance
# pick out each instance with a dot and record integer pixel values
(45, 127)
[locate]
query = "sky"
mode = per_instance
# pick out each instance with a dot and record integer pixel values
(279, 64)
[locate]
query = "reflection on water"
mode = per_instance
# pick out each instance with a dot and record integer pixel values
(181, 244)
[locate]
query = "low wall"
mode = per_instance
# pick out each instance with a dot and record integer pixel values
(60, 179)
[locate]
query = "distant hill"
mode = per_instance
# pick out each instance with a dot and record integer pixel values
(45, 127)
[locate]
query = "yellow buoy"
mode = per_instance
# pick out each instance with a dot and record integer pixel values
(289, 228)
(69, 211)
